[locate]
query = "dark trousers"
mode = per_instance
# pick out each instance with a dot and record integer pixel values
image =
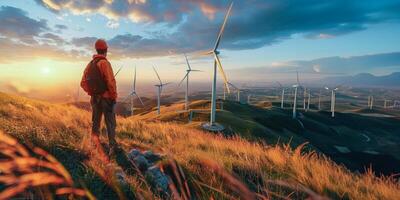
(104, 106)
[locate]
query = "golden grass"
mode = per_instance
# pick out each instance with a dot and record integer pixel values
(209, 160)
(20, 169)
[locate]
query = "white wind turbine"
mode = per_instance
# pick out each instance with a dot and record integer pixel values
(308, 101)
(159, 90)
(283, 94)
(319, 100)
(237, 92)
(187, 82)
(333, 99)
(371, 102)
(212, 126)
(134, 93)
(296, 86)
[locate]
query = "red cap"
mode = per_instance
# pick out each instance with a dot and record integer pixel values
(100, 44)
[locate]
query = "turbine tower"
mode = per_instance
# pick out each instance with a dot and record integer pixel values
(371, 103)
(159, 90)
(212, 125)
(308, 101)
(283, 94)
(319, 100)
(134, 93)
(333, 99)
(186, 77)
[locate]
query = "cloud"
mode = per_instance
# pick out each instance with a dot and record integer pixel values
(61, 27)
(15, 24)
(317, 68)
(112, 24)
(193, 25)
(253, 24)
(24, 38)
(12, 51)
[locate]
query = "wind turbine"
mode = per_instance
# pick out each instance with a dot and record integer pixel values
(371, 104)
(134, 93)
(319, 100)
(118, 71)
(309, 99)
(296, 86)
(159, 90)
(212, 125)
(237, 90)
(187, 82)
(333, 99)
(283, 94)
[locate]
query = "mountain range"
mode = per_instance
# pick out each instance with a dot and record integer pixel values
(365, 80)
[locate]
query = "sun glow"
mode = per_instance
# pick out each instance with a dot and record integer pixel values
(45, 70)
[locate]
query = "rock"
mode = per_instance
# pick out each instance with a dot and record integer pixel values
(121, 177)
(138, 159)
(152, 157)
(133, 153)
(158, 180)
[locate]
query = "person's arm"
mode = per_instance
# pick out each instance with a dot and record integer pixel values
(109, 78)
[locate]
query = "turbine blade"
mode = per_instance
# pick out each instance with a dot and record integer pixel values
(222, 72)
(187, 62)
(279, 84)
(229, 83)
(134, 80)
(221, 31)
(157, 75)
(118, 71)
(196, 70)
(140, 99)
(187, 73)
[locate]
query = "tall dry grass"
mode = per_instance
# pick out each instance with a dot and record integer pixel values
(22, 169)
(214, 167)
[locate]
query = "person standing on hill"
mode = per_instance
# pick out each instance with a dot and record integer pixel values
(98, 81)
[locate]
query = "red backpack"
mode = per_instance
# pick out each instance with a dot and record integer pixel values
(95, 82)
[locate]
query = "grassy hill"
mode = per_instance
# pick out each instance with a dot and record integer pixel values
(212, 163)
(357, 139)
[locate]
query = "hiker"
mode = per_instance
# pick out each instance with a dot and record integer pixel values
(98, 81)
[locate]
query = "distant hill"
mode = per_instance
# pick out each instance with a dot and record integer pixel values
(365, 80)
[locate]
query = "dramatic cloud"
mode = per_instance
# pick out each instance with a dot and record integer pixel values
(25, 38)
(193, 25)
(15, 24)
(253, 24)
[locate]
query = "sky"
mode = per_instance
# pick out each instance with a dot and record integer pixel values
(45, 44)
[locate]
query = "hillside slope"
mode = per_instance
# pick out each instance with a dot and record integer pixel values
(270, 171)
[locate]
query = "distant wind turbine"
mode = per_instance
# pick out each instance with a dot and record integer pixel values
(186, 77)
(282, 95)
(237, 92)
(371, 104)
(212, 125)
(308, 101)
(118, 71)
(319, 100)
(296, 86)
(159, 90)
(134, 93)
(333, 99)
